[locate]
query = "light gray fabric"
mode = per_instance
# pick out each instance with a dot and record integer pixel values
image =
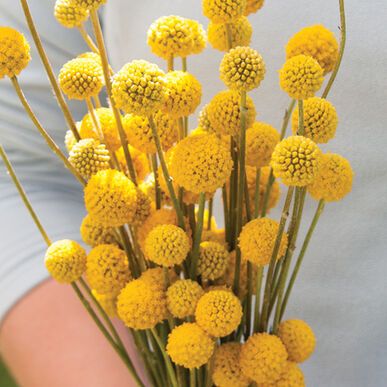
(341, 290)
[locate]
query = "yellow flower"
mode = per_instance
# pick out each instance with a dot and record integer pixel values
(219, 313)
(94, 234)
(139, 159)
(189, 346)
(298, 339)
(201, 163)
(143, 208)
(253, 6)
(257, 241)
(242, 69)
(223, 11)
(315, 41)
(182, 298)
(333, 180)
(183, 93)
(88, 4)
(141, 305)
(107, 269)
(261, 140)
(138, 88)
(107, 302)
(227, 371)
(263, 358)
(292, 376)
(167, 245)
(68, 14)
(296, 160)
(156, 277)
(204, 121)
(224, 112)
(301, 76)
(65, 260)
(70, 140)
(91, 55)
(199, 38)
(241, 31)
(14, 52)
(213, 260)
(214, 235)
(111, 198)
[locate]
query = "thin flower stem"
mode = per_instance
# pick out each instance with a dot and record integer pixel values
(129, 251)
(184, 64)
(170, 63)
(192, 377)
(87, 38)
(256, 192)
(301, 128)
(229, 36)
(247, 201)
(226, 213)
(94, 119)
(157, 182)
(286, 119)
(258, 298)
(210, 210)
(249, 308)
(233, 193)
(97, 101)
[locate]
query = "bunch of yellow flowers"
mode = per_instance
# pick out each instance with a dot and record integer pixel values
(204, 304)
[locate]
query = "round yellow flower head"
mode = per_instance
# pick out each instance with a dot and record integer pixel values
(88, 4)
(227, 371)
(214, 235)
(139, 159)
(223, 11)
(204, 121)
(296, 161)
(107, 302)
(141, 304)
(219, 312)
(257, 241)
(183, 93)
(298, 339)
(315, 41)
(263, 358)
(69, 140)
(241, 31)
(81, 78)
(182, 298)
(224, 112)
(292, 376)
(107, 269)
(199, 38)
(333, 180)
(94, 234)
(189, 346)
(68, 14)
(242, 69)
(91, 55)
(65, 260)
(111, 198)
(213, 260)
(14, 52)
(138, 88)
(156, 277)
(253, 6)
(143, 208)
(320, 120)
(201, 163)
(261, 140)
(301, 76)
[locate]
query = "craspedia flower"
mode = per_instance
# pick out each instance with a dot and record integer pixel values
(227, 371)
(68, 14)
(241, 31)
(320, 120)
(141, 305)
(91, 55)
(143, 208)
(292, 376)
(223, 11)
(182, 298)
(261, 140)
(65, 260)
(242, 68)
(183, 93)
(69, 140)
(213, 260)
(94, 234)
(224, 112)
(253, 6)
(88, 4)
(204, 121)
(139, 160)
(315, 41)
(333, 180)
(263, 358)
(189, 346)
(257, 241)
(296, 161)
(198, 35)
(14, 52)
(301, 77)
(107, 302)
(218, 312)
(298, 338)
(138, 88)
(167, 245)
(201, 163)
(111, 198)
(155, 276)
(107, 269)
(214, 235)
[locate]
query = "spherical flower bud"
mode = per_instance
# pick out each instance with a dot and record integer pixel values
(333, 180)
(213, 260)
(94, 234)
(91, 55)
(253, 6)
(65, 260)
(107, 302)
(242, 69)
(204, 121)
(223, 11)
(14, 52)
(111, 198)
(257, 241)
(199, 38)
(219, 313)
(298, 338)
(263, 358)
(292, 376)
(182, 298)
(88, 4)
(139, 159)
(70, 15)
(69, 140)
(315, 41)
(189, 346)
(156, 277)
(138, 88)
(296, 160)
(301, 77)
(143, 208)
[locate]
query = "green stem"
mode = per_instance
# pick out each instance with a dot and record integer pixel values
(249, 309)
(226, 214)
(184, 64)
(258, 298)
(233, 193)
(210, 210)
(129, 251)
(301, 128)
(157, 183)
(87, 38)
(170, 63)
(192, 377)
(229, 36)
(256, 192)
